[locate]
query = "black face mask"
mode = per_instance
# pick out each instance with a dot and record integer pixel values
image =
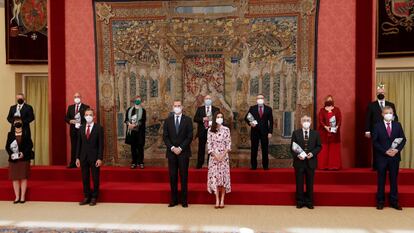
(329, 103)
(18, 125)
(380, 96)
(20, 101)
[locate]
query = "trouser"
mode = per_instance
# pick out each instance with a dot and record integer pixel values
(88, 168)
(264, 142)
(178, 165)
(393, 166)
(302, 174)
(202, 140)
(137, 152)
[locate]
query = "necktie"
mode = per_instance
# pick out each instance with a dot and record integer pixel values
(88, 131)
(382, 104)
(306, 140)
(306, 135)
(207, 114)
(261, 111)
(19, 107)
(389, 129)
(177, 124)
(77, 109)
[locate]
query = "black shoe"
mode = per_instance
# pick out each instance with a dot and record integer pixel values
(172, 204)
(93, 202)
(85, 201)
(396, 206)
(299, 206)
(310, 206)
(266, 168)
(141, 166)
(71, 166)
(198, 167)
(380, 206)
(252, 168)
(15, 202)
(185, 205)
(133, 166)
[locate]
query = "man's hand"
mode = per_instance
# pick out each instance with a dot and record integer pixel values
(77, 163)
(252, 124)
(177, 150)
(367, 134)
(301, 158)
(205, 119)
(131, 126)
(310, 155)
(269, 135)
(20, 155)
(98, 163)
(72, 122)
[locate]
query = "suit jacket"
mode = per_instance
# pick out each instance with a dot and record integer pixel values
(382, 142)
(70, 115)
(314, 147)
(183, 139)
(265, 124)
(198, 118)
(138, 135)
(25, 146)
(90, 149)
(374, 115)
(26, 113)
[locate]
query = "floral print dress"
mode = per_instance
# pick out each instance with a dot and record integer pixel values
(218, 171)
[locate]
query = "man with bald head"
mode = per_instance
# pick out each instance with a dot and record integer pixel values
(203, 118)
(75, 117)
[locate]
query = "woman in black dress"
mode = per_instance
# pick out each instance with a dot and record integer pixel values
(135, 118)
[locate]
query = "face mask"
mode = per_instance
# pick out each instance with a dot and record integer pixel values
(89, 119)
(306, 124)
(208, 102)
(260, 101)
(77, 100)
(329, 103)
(137, 102)
(219, 121)
(177, 110)
(18, 125)
(380, 96)
(388, 116)
(20, 101)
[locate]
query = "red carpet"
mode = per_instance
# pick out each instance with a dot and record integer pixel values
(350, 187)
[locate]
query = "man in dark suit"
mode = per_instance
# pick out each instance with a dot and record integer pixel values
(75, 117)
(177, 135)
(374, 115)
(388, 155)
(261, 131)
(22, 110)
(203, 118)
(305, 162)
(89, 156)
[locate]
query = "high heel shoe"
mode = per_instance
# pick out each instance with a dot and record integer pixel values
(22, 202)
(15, 202)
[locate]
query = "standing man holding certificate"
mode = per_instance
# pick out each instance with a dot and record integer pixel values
(374, 115)
(260, 119)
(305, 147)
(75, 117)
(177, 135)
(388, 139)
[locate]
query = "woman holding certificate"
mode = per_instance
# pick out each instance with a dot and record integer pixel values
(218, 146)
(329, 125)
(19, 146)
(135, 118)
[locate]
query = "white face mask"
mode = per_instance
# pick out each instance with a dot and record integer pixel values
(219, 121)
(177, 110)
(77, 100)
(89, 119)
(306, 125)
(388, 116)
(260, 101)
(208, 102)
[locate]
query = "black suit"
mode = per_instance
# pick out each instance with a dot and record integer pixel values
(382, 142)
(88, 152)
(136, 137)
(178, 163)
(374, 115)
(305, 168)
(26, 113)
(202, 132)
(260, 133)
(70, 115)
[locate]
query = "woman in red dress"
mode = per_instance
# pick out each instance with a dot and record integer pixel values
(329, 128)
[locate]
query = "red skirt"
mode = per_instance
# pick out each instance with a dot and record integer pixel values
(330, 156)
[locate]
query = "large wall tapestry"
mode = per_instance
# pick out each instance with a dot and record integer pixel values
(230, 49)
(26, 31)
(395, 27)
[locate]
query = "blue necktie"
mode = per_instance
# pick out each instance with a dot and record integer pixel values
(177, 125)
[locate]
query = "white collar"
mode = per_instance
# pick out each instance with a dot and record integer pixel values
(20, 105)
(179, 116)
(90, 125)
(385, 122)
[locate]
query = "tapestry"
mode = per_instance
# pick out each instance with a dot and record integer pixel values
(232, 50)
(395, 28)
(26, 31)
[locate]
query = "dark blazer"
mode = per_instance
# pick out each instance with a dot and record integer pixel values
(184, 137)
(137, 135)
(90, 149)
(25, 147)
(26, 113)
(382, 142)
(314, 146)
(265, 124)
(70, 115)
(374, 115)
(199, 115)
